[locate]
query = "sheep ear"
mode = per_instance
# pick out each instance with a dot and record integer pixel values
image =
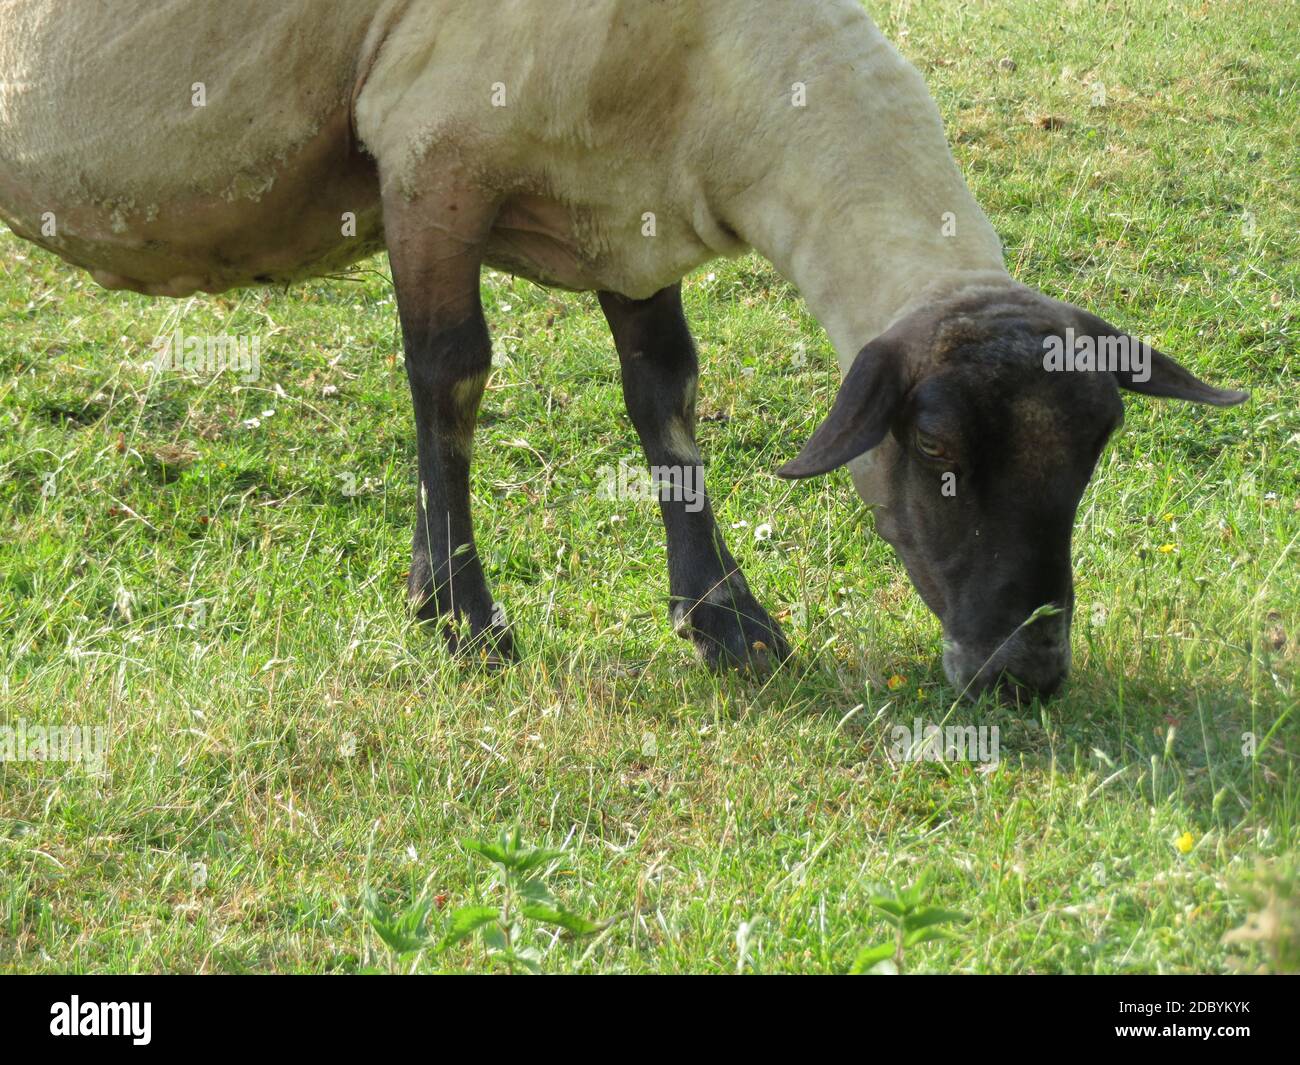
(1161, 376)
(868, 401)
(1168, 380)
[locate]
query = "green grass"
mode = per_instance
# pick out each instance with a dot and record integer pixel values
(208, 593)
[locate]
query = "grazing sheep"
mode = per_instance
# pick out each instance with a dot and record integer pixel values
(607, 145)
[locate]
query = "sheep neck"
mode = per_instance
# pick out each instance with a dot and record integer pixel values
(858, 201)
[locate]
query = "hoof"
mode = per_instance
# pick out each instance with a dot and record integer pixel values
(489, 640)
(731, 631)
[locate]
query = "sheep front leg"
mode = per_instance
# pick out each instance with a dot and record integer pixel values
(710, 601)
(434, 245)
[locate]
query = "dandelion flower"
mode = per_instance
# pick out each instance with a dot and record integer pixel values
(895, 682)
(1185, 843)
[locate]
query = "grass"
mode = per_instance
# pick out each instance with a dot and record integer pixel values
(284, 745)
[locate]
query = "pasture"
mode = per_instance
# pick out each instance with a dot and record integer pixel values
(210, 566)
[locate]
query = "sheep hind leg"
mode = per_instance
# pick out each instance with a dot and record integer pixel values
(710, 601)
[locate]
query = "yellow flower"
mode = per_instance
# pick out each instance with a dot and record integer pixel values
(1169, 517)
(1166, 548)
(895, 682)
(1185, 843)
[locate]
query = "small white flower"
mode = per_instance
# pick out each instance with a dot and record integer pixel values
(329, 390)
(740, 525)
(268, 413)
(763, 532)
(252, 423)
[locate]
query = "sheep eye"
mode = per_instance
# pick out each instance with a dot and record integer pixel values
(929, 446)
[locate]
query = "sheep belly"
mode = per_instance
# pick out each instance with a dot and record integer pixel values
(191, 146)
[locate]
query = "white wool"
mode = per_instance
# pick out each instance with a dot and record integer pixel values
(620, 118)
(96, 96)
(687, 110)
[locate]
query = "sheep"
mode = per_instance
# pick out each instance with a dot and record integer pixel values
(610, 146)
